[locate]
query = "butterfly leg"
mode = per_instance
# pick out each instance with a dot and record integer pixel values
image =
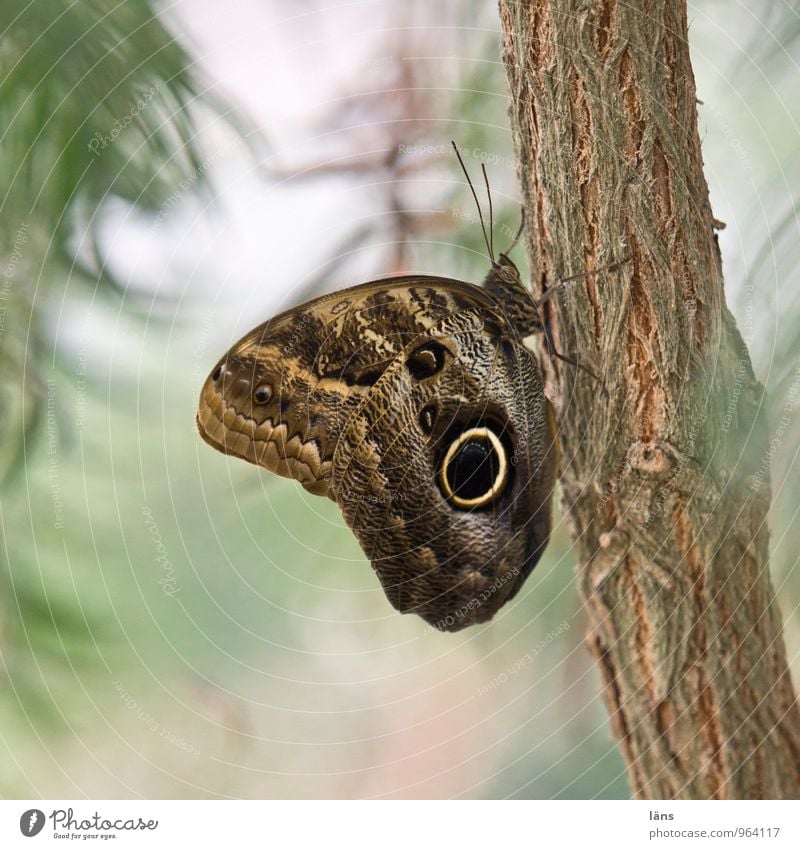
(571, 360)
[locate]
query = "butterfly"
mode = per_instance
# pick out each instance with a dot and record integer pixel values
(413, 403)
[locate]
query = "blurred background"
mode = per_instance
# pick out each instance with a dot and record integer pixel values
(177, 624)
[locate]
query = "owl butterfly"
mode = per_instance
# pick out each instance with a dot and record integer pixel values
(413, 403)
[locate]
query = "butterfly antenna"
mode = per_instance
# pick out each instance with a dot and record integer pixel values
(477, 202)
(518, 233)
(491, 211)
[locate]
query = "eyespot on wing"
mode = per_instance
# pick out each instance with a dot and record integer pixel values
(442, 549)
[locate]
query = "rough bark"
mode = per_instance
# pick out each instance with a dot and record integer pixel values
(666, 482)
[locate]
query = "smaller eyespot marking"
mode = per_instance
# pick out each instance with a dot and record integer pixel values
(217, 373)
(427, 418)
(427, 360)
(475, 468)
(263, 394)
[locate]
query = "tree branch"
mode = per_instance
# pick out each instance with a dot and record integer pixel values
(666, 482)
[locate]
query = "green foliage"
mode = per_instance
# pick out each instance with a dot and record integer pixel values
(96, 101)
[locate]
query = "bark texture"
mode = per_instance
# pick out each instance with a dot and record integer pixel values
(665, 482)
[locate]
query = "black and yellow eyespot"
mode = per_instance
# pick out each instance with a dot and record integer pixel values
(427, 360)
(475, 468)
(262, 394)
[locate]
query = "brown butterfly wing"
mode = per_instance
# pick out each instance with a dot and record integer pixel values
(314, 364)
(452, 560)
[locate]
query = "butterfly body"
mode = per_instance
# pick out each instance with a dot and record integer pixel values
(413, 403)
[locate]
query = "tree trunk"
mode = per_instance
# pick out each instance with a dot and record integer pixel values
(665, 482)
